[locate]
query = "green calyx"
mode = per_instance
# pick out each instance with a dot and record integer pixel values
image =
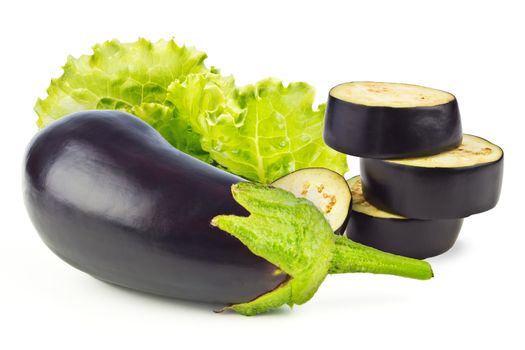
(287, 231)
(293, 234)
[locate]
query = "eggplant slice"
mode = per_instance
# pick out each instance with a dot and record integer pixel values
(396, 234)
(454, 184)
(325, 188)
(391, 120)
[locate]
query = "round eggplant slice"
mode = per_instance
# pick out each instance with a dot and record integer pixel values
(391, 120)
(325, 188)
(454, 184)
(396, 234)
(110, 196)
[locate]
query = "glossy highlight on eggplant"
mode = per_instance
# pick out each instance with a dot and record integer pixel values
(396, 234)
(111, 197)
(391, 120)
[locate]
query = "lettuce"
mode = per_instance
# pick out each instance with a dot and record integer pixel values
(131, 77)
(260, 132)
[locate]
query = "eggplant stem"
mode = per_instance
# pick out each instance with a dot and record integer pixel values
(350, 256)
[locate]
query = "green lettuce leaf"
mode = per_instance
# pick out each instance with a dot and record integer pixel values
(131, 77)
(262, 132)
(202, 101)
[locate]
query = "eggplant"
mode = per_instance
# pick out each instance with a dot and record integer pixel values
(397, 234)
(391, 120)
(454, 184)
(111, 197)
(325, 188)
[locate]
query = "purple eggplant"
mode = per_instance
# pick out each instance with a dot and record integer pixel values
(111, 197)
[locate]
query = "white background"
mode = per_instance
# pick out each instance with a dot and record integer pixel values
(474, 50)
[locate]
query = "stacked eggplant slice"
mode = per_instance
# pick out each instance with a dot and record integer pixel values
(420, 175)
(389, 120)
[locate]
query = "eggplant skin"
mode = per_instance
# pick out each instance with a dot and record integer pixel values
(111, 197)
(391, 132)
(432, 193)
(414, 238)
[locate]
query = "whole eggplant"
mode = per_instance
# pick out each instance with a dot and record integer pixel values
(110, 196)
